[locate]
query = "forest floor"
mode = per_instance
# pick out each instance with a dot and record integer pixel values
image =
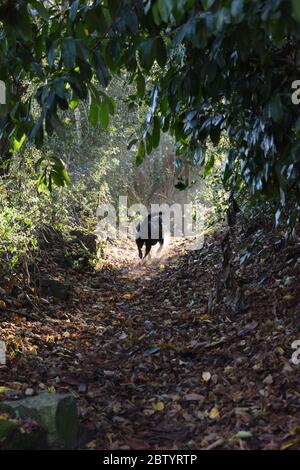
(151, 366)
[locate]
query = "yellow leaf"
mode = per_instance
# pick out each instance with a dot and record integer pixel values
(117, 408)
(205, 317)
(158, 406)
(51, 389)
(128, 296)
(162, 266)
(214, 413)
(2, 305)
(289, 443)
(32, 349)
(91, 445)
(3, 417)
(288, 297)
(4, 389)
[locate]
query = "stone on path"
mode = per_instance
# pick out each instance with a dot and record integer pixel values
(57, 413)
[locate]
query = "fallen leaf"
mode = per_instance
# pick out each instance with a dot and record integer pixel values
(288, 297)
(150, 351)
(214, 413)
(290, 443)
(194, 397)
(128, 296)
(91, 445)
(4, 390)
(243, 435)
(158, 406)
(206, 376)
(268, 380)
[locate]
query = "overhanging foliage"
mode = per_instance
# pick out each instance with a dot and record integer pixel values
(204, 67)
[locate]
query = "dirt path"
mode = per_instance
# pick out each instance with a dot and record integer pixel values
(151, 368)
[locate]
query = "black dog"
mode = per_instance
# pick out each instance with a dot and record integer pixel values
(149, 232)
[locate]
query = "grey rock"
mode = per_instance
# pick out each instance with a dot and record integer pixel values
(57, 413)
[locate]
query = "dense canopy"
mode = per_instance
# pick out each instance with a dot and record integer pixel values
(203, 67)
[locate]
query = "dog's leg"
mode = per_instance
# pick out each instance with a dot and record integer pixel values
(161, 245)
(148, 249)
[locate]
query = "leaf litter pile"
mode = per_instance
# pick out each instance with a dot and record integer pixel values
(157, 359)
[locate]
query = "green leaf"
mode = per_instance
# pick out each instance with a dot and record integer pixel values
(36, 128)
(22, 24)
(161, 52)
(147, 52)
(68, 52)
(207, 4)
(113, 51)
(113, 6)
(140, 83)
(181, 185)
(58, 173)
(209, 166)
(156, 132)
(296, 9)
(41, 9)
(101, 69)
(111, 105)
(165, 8)
(57, 125)
(66, 177)
(94, 113)
(156, 15)
(140, 153)
(73, 10)
(149, 144)
(131, 20)
(274, 108)
(51, 55)
(237, 7)
(73, 104)
(98, 19)
(17, 144)
(104, 114)
(57, 178)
